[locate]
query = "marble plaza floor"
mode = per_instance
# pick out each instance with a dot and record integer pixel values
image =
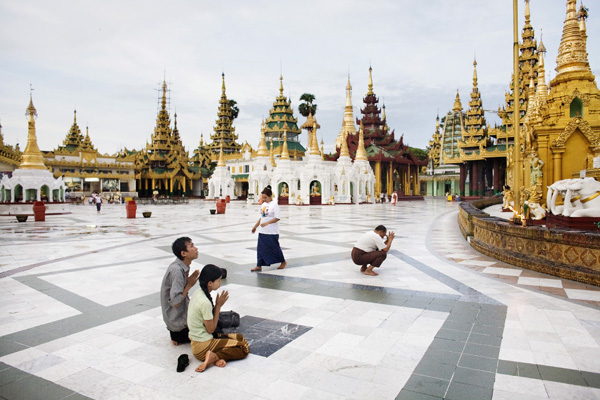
(80, 315)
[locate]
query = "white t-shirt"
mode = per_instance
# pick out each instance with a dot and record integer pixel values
(370, 241)
(269, 211)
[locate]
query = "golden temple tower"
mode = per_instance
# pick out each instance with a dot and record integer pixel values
(32, 157)
(567, 136)
(224, 132)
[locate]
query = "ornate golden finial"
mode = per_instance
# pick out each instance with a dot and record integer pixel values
(202, 140)
(221, 162)
(383, 112)
(370, 82)
(572, 52)
(527, 13)
(285, 155)
(474, 72)
(32, 157)
(457, 105)
(164, 96)
(361, 153)
(262, 146)
(223, 87)
(281, 85)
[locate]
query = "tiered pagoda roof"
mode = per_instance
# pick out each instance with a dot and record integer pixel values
(165, 156)
(281, 119)
(528, 60)
(201, 160)
(224, 133)
(474, 135)
(380, 144)
(75, 141)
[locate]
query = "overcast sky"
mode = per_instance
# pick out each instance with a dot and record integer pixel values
(107, 59)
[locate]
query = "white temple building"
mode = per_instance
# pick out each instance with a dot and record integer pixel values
(32, 181)
(304, 179)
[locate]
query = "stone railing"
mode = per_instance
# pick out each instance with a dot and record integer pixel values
(570, 254)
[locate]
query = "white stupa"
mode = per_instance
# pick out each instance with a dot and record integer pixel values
(32, 178)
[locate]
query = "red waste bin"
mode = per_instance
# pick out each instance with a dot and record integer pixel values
(131, 208)
(39, 211)
(227, 199)
(221, 204)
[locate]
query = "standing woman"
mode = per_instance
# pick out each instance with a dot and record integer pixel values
(268, 249)
(202, 320)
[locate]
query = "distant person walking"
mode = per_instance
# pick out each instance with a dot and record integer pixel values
(97, 200)
(268, 250)
(371, 249)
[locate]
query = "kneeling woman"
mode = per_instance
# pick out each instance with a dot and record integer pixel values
(202, 320)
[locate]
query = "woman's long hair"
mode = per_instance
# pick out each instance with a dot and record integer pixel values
(209, 273)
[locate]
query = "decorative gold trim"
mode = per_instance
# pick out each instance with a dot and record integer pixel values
(584, 127)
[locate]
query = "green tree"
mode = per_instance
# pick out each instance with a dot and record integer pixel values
(235, 111)
(308, 106)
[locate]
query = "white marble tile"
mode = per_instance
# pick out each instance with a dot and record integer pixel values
(520, 385)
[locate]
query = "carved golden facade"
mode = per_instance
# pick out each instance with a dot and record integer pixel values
(78, 162)
(164, 165)
(564, 131)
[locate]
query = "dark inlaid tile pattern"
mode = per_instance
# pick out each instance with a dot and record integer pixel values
(16, 385)
(547, 373)
(266, 336)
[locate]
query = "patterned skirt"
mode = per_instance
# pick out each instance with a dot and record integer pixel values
(229, 346)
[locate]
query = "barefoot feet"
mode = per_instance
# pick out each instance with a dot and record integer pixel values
(209, 359)
(175, 343)
(369, 271)
(282, 266)
(363, 268)
(257, 269)
(221, 363)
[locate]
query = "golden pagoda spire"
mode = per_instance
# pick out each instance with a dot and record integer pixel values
(285, 155)
(457, 105)
(322, 152)
(542, 88)
(262, 146)
(527, 13)
(348, 124)
(344, 148)
(272, 155)
(370, 82)
(383, 112)
(223, 77)
(361, 153)
(572, 53)
(221, 162)
(314, 143)
(32, 157)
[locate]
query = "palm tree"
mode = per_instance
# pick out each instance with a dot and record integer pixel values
(235, 111)
(308, 107)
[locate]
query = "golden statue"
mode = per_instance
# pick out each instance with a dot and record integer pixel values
(284, 190)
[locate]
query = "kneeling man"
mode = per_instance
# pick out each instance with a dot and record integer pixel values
(174, 289)
(371, 249)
